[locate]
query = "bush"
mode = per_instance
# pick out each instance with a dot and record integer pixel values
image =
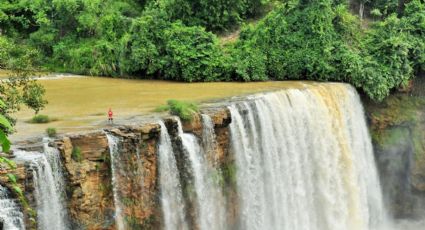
(213, 15)
(192, 54)
(302, 42)
(185, 110)
(172, 51)
(182, 109)
(248, 63)
(324, 42)
(51, 132)
(76, 154)
(40, 119)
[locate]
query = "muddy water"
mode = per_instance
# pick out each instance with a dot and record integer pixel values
(81, 103)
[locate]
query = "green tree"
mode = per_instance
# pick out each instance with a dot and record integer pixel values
(170, 50)
(213, 15)
(18, 89)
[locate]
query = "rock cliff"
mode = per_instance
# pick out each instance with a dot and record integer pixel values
(86, 161)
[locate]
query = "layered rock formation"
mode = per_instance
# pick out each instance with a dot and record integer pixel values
(397, 126)
(86, 160)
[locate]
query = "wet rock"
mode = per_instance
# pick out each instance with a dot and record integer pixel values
(88, 178)
(193, 126)
(90, 194)
(397, 128)
(87, 170)
(91, 145)
(221, 119)
(220, 116)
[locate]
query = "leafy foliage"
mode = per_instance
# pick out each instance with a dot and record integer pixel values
(334, 47)
(16, 90)
(4, 141)
(184, 110)
(51, 132)
(20, 88)
(213, 15)
(76, 154)
(172, 51)
(40, 119)
(170, 39)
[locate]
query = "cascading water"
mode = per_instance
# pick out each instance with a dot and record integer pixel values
(11, 216)
(113, 142)
(304, 161)
(171, 192)
(209, 141)
(49, 187)
(210, 201)
(53, 157)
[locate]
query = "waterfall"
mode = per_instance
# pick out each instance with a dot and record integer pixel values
(305, 161)
(113, 142)
(53, 157)
(48, 185)
(10, 214)
(210, 205)
(209, 141)
(171, 192)
(299, 159)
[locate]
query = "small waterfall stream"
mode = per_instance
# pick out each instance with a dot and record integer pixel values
(171, 192)
(209, 141)
(49, 187)
(10, 214)
(53, 157)
(210, 207)
(115, 166)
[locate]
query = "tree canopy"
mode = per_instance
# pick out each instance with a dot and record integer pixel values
(323, 40)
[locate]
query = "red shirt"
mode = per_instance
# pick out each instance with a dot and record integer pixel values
(110, 113)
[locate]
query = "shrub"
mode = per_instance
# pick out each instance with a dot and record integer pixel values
(333, 47)
(325, 31)
(51, 132)
(192, 54)
(76, 154)
(182, 109)
(185, 110)
(170, 50)
(40, 119)
(248, 63)
(213, 15)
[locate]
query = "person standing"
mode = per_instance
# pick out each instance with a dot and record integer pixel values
(110, 116)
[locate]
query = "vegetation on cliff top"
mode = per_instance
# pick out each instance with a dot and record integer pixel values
(176, 39)
(184, 110)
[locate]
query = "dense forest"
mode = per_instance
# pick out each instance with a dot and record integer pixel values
(377, 46)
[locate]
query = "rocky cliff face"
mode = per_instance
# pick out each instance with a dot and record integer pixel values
(397, 127)
(88, 166)
(86, 160)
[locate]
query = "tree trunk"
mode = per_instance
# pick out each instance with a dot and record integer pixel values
(361, 10)
(401, 3)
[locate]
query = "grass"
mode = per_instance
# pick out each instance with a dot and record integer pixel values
(184, 110)
(41, 119)
(51, 132)
(98, 114)
(76, 154)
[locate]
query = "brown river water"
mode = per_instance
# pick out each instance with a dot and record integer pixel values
(81, 103)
